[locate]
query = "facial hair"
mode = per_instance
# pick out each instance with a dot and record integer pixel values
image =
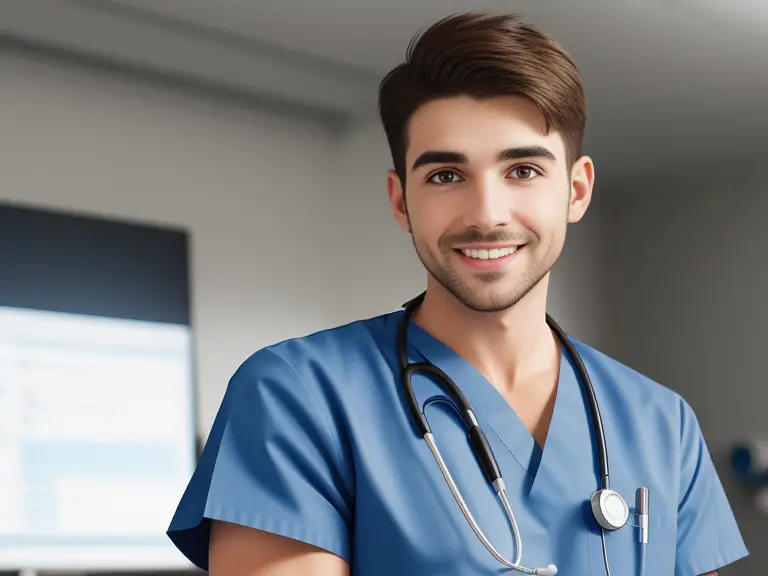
(438, 267)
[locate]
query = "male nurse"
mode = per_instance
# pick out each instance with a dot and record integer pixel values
(313, 464)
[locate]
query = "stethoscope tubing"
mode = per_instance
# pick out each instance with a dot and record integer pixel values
(478, 440)
(407, 370)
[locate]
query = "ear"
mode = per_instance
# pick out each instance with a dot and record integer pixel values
(397, 200)
(582, 182)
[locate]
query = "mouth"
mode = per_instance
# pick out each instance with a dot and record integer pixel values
(488, 258)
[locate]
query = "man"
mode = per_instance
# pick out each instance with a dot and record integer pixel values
(314, 464)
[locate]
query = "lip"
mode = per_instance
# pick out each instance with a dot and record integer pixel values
(488, 265)
(486, 246)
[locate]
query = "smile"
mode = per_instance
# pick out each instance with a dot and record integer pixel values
(488, 259)
(492, 254)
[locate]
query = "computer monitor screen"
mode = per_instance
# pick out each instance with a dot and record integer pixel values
(96, 440)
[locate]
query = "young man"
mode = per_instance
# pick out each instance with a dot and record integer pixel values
(316, 464)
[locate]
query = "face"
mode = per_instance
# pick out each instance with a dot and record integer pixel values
(488, 197)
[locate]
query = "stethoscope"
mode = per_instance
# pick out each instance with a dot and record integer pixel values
(608, 507)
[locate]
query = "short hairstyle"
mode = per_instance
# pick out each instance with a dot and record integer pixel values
(483, 56)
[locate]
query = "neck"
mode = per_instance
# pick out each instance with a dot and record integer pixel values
(509, 347)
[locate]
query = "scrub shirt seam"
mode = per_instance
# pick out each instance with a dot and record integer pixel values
(512, 452)
(317, 405)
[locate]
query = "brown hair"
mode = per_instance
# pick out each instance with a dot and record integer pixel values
(483, 56)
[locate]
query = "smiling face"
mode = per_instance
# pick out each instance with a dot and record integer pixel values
(489, 194)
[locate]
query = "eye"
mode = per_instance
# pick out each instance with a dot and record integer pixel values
(525, 172)
(444, 177)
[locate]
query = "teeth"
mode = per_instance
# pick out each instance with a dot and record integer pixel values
(489, 254)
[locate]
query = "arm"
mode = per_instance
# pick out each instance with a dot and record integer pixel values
(239, 551)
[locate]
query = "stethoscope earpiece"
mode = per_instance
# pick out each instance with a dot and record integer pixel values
(610, 509)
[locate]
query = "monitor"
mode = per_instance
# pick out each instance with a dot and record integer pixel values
(97, 391)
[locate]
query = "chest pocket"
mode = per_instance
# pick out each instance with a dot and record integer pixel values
(624, 549)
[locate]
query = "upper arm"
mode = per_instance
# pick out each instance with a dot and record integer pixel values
(708, 537)
(271, 463)
(236, 550)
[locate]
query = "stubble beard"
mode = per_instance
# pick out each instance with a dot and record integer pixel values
(439, 267)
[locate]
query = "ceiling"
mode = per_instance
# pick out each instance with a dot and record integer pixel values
(669, 82)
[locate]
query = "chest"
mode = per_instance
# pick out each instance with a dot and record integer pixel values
(407, 520)
(533, 402)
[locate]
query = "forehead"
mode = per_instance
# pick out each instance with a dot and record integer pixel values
(480, 128)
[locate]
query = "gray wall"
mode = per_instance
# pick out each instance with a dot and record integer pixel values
(686, 278)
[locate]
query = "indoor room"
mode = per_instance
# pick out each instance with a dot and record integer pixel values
(189, 183)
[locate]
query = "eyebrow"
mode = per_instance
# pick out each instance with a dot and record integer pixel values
(452, 157)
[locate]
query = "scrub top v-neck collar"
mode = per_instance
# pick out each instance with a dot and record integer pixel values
(568, 418)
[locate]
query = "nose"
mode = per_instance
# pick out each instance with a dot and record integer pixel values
(488, 204)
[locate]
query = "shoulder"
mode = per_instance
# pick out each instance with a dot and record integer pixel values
(323, 358)
(633, 393)
(621, 377)
(343, 340)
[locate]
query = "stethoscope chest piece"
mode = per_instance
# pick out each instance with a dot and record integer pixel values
(610, 509)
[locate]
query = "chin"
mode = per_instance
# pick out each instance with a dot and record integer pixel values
(485, 300)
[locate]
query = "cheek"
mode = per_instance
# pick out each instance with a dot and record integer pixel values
(428, 223)
(544, 217)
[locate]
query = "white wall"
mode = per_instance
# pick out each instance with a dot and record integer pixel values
(687, 280)
(291, 230)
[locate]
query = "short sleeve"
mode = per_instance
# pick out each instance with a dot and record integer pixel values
(708, 537)
(271, 462)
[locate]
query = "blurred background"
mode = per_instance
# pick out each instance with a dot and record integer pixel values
(186, 181)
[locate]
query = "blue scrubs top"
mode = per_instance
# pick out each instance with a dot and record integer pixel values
(313, 441)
